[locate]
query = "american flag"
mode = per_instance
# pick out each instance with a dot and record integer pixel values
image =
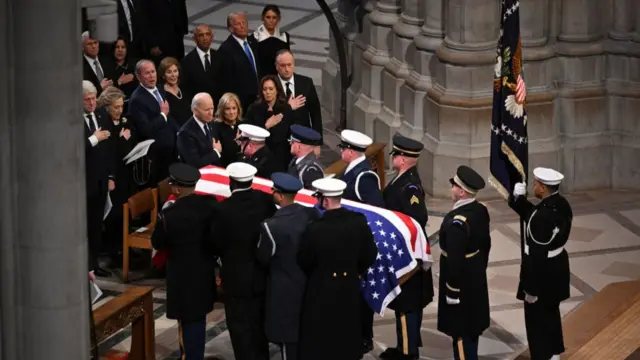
(399, 238)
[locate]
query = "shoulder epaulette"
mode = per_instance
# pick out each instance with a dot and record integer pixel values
(461, 218)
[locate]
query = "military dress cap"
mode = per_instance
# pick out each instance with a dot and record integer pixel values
(241, 172)
(354, 140)
(185, 175)
(548, 176)
(253, 133)
(405, 146)
(468, 179)
(286, 183)
(329, 187)
(304, 135)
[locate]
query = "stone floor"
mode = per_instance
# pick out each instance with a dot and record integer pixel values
(604, 244)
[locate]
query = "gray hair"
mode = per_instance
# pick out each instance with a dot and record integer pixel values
(88, 88)
(233, 15)
(109, 96)
(197, 98)
(140, 63)
(283, 51)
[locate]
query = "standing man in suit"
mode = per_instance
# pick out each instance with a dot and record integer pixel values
(405, 195)
(200, 66)
(299, 86)
(167, 24)
(149, 110)
(239, 68)
(196, 144)
(131, 27)
(92, 65)
(304, 164)
(97, 173)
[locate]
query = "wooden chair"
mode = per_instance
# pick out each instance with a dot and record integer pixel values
(164, 191)
(146, 201)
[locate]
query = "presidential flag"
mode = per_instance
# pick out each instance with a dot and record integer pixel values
(400, 239)
(508, 162)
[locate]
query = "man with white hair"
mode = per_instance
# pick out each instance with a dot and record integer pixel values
(197, 145)
(544, 270)
(97, 174)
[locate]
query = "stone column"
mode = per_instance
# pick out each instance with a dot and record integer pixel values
(581, 107)
(360, 45)
(44, 253)
(376, 38)
(458, 108)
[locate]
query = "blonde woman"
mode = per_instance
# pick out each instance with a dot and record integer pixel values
(225, 127)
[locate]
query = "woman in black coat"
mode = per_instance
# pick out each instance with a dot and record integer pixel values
(225, 127)
(120, 67)
(270, 39)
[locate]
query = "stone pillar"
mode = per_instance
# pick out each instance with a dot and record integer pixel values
(376, 37)
(360, 45)
(458, 109)
(44, 297)
(330, 96)
(581, 107)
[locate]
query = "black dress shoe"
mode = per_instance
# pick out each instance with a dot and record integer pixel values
(368, 347)
(100, 272)
(390, 353)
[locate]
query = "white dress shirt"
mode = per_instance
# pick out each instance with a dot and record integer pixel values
(151, 91)
(92, 139)
(292, 85)
(92, 63)
(354, 163)
(202, 125)
(201, 54)
(241, 42)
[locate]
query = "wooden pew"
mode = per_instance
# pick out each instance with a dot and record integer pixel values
(134, 306)
(604, 327)
(375, 154)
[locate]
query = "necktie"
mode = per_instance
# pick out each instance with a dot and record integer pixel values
(92, 125)
(207, 132)
(207, 63)
(99, 72)
(158, 97)
(288, 91)
(247, 51)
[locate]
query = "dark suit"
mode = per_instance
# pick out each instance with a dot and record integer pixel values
(193, 77)
(237, 228)
(278, 140)
(195, 147)
(167, 24)
(97, 171)
(90, 75)
(237, 75)
(144, 111)
(309, 115)
(136, 44)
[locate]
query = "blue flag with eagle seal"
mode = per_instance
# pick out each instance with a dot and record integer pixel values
(509, 158)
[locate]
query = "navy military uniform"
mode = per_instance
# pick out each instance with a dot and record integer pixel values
(278, 250)
(182, 229)
(263, 159)
(406, 195)
(305, 168)
(363, 185)
(544, 270)
(465, 241)
(335, 251)
(236, 226)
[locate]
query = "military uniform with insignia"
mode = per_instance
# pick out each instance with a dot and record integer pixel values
(262, 159)
(406, 195)
(465, 241)
(183, 230)
(544, 271)
(305, 165)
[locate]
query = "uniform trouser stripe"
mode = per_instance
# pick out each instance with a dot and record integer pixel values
(405, 334)
(181, 342)
(284, 351)
(460, 349)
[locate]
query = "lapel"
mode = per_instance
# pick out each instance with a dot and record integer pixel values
(240, 49)
(150, 98)
(195, 129)
(351, 175)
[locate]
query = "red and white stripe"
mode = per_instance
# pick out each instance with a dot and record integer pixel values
(521, 90)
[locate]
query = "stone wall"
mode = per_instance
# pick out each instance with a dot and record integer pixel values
(424, 68)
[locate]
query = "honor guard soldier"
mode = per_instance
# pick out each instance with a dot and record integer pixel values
(405, 194)
(183, 230)
(255, 151)
(304, 164)
(465, 241)
(335, 251)
(544, 270)
(363, 185)
(278, 251)
(236, 227)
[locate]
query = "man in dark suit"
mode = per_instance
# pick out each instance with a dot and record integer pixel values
(239, 68)
(200, 67)
(92, 65)
(300, 87)
(167, 24)
(131, 27)
(97, 173)
(196, 144)
(149, 111)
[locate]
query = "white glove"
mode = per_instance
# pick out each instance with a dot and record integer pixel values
(520, 189)
(530, 299)
(451, 301)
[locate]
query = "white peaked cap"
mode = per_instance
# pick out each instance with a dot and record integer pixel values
(241, 172)
(329, 187)
(355, 138)
(254, 133)
(548, 176)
